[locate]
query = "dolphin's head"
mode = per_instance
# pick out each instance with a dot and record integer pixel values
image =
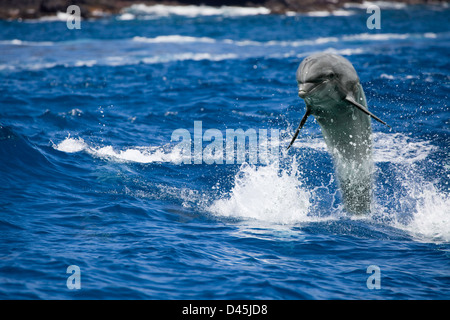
(324, 76)
(324, 79)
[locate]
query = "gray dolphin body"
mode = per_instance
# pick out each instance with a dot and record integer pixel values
(330, 87)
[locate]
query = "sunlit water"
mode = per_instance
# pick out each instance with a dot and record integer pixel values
(89, 175)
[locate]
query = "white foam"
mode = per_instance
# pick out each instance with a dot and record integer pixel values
(191, 11)
(60, 16)
(85, 63)
(399, 77)
(430, 35)
(123, 61)
(376, 36)
(39, 66)
(345, 52)
(399, 148)
(387, 76)
(17, 42)
(431, 221)
(31, 66)
(241, 43)
(117, 61)
(75, 112)
(344, 38)
(174, 39)
(277, 195)
(337, 13)
(387, 147)
(6, 67)
(126, 16)
(189, 56)
(266, 194)
(288, 43)
(381, 4)
(299, 43)
(71, 145)
(133, 154)
(317, 143)
(414, 204)
(138, 155)
(392, 148)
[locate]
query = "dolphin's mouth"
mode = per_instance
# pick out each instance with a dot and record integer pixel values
(302, 93)
(305, 89)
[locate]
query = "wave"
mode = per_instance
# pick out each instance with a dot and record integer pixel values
(240, 43)
(291, 43)
(335, 13)
(381, 4)
(179, 39)
(60, 16)
(124, 61)
(190, 11)
(114, 61)
(188, 50)
(17, 42)
(387, 147)
(384, 5)
(276, 193)
(388, 36)
(400, 77)
(174, 39)
(143, 155)
(190, 56)
(211, 49)
(142, 11)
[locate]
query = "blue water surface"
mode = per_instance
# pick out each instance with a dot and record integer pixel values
(89, 175)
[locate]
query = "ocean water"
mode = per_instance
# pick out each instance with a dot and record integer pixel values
(93, 174)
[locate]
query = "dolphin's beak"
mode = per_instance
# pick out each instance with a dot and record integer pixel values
(302, 94)
(305, 88)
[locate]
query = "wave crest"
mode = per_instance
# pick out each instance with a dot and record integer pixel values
(190, 11)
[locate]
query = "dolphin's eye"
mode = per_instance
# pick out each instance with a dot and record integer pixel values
(331, 76)
(315, 80)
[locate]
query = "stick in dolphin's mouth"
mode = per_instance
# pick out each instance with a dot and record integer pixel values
(299, 128)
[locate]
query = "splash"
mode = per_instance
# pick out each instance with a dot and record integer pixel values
(431, 220)
(71, 145)
(409, 202)
(277, 194)
(265, 193)
(387, 147)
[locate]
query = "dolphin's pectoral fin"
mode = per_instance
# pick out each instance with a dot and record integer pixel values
(300, 126)
(363, 109)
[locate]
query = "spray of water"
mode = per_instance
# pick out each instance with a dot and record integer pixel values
(278, 194)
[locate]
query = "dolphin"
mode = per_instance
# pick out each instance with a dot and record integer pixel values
(333, 94)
